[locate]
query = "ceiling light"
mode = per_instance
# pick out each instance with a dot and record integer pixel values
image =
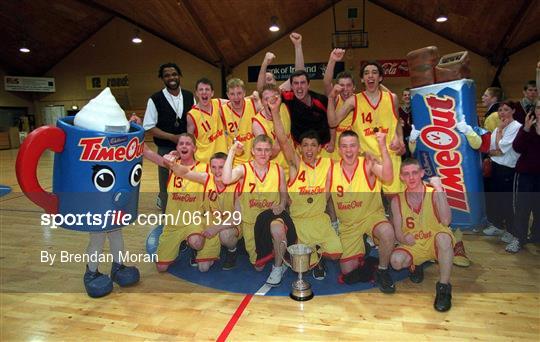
(24, 48)
(74, 107)
(136, 39)
(441, 18)
(273, 24)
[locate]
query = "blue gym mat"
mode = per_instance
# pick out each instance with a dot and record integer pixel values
(244, 279)
(4, 190)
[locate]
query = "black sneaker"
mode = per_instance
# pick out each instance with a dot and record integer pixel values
(319, 272)
(417, 276)
(385, 281)
(443, 297)
(193, 258)
(230, 260)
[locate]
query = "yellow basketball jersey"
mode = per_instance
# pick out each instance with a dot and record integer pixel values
(355, 199)
(382, 116)
(268, 127)
(258, 194)
(219, 199)
(185, 195)
(233, 120)
(346, 125)
(307, 190)
(422, 224)
(209, 131)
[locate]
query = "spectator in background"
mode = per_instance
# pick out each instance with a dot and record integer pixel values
(503, 162)
(405, 119)
(527, 181)
(530, 93)
(491, 99)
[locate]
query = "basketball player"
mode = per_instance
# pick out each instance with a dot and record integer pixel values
(376, 111)
(421, 216)
(308, 189)
(185, 195)
(204, 121)
(346, 81)
(261, 187)
(356, 193)
(219, 200)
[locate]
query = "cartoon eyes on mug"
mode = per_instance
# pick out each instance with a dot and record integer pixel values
(135, 175)
(103, 178)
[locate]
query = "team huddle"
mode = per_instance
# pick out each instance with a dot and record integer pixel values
(296, 180)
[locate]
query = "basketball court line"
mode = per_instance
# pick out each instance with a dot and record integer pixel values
(235, 317)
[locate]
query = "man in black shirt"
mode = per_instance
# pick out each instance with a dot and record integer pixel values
(308, 110)
(165, 119)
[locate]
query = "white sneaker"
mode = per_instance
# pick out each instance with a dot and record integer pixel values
(507, 237)
(274, 279)
(370, 241)
(492, 231)
(513, 246)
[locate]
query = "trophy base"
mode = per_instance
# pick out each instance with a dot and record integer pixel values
(301, 296)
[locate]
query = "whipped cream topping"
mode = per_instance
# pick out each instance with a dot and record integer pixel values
(102, 114)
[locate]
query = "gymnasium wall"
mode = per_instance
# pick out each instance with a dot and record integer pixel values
(110, 51)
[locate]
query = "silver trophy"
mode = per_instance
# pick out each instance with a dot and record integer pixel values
(300, 257)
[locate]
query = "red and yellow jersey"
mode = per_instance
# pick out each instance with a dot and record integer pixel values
(258, 194)
(382, 116)
(233, 121)
(424, 223)
(185, 195)
(268, 128)
(307, 191)
(209, 131)
(356, 198)
(219, 198)
(346, 125)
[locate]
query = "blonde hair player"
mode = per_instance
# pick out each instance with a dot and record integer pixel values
(262, 188)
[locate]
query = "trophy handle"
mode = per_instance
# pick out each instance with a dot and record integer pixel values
(289, 265)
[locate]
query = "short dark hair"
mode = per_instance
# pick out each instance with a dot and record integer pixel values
(345, 74)
(310, 134)
(299, 73)
(204, 80)
(406, 89)
(219, 155)
(409, 161)
(348, 133)
(168, 65)
(531, 83)
(374, 63)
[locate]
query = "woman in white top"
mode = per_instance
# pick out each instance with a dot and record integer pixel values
(499, 200)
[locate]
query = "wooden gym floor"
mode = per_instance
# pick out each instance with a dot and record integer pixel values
(497, 298)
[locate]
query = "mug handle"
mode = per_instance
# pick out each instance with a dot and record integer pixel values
(41, 139)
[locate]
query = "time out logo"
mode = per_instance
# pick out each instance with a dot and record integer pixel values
(441, 137)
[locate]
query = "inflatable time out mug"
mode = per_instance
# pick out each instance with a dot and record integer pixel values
(96, 175)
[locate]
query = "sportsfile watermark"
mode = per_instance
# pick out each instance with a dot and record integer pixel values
(119, 218)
